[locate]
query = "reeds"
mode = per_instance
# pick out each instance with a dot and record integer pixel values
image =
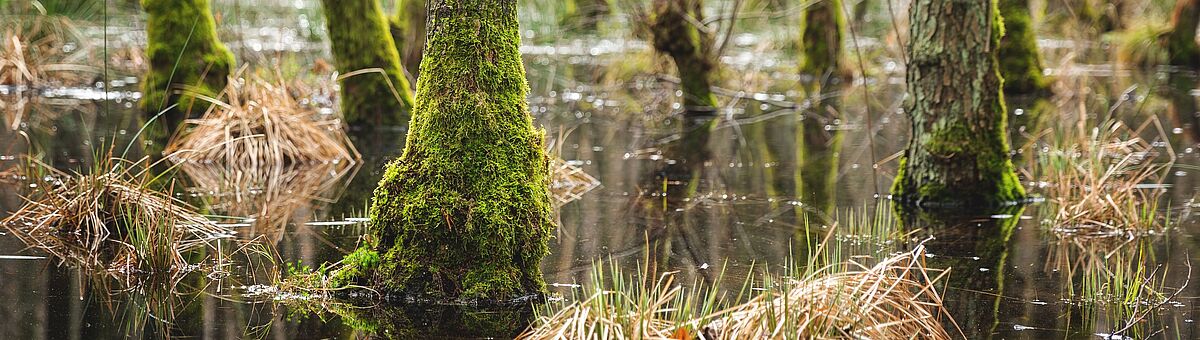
(1105, 183)
(894, 299)
(262, 143)
(111, 222)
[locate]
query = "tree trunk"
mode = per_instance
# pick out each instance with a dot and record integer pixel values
(958, 154)
(674, 25)
(821, 29)
(1181, 41)
(464, 213)
(1019, 60)
(184, 53)
(360, 40)
(408, 31)
(584, 14)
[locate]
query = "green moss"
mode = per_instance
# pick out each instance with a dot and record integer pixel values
(183, 50)
(822, 27)
(360, 39)
(689, 47)
(1020, 63)
(357, 267)
(465, 213)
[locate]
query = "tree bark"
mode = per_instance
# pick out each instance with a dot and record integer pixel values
(958, 154)
(408, 31)
(674, 25)
(1181, 41)
(184, 53)
(360, 40)
(464, 213)
(822, 27)
(1020, 62)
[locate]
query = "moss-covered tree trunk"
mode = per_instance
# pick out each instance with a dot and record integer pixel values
(1020, 62)
(674, 24)
(360, 40)
(958, 154)
(184, 54)
(822, 26)
(1181, 41)
(464, 213)
(408, 31)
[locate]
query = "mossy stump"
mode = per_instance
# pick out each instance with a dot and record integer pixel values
(1020, 63)
(185, 56)
(958, 154)
(464, 215)
(360, 39)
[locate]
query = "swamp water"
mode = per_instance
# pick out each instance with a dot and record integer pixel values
(779, 168)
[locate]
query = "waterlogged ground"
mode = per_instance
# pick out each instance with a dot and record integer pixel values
(604, 113)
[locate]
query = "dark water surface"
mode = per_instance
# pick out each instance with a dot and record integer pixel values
(736, 199)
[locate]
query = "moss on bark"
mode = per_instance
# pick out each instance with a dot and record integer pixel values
(676, 35)
(1020, 63)
(464, 214)
(360, 40)
(408, 31)
(821, 29)
(1181, 41)
(958, 154)
(184, 53)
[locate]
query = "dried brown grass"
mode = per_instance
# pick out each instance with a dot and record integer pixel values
(895, 299)
(44, 51)
(112, 223)
(262, 153)
(1106, 183)
(569, 182)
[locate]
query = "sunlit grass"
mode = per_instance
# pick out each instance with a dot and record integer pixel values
(1105, 181)
(832, 293)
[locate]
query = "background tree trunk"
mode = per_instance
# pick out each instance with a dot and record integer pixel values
(359, 38)
(822, 26)
(1181, 41)
(464, 213)
(959, 147)
(674, 25)
(584, 15)
(1020, 62)
(184, 52)
(408, 31)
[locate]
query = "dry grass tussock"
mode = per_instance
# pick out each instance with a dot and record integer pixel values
(44, 51)
(1106, 182)
(113, 223)
(261, 142)
(894, 299)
